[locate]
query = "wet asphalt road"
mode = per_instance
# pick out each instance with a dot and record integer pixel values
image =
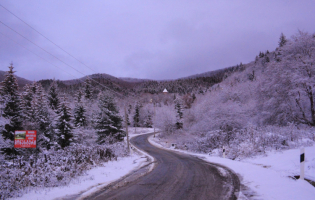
(176, 176)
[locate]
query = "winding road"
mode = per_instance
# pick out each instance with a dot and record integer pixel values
(176, 176)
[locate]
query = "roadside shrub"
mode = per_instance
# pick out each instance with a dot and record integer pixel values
(53, 168)
(245, 142)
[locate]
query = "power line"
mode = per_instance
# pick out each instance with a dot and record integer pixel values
(53, 44)
(37, 55)
(47, 38)
(51, 62)
(41, 48)
(55, 56)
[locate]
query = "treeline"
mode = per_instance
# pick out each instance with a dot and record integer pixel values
(99, 82)
(198, 85)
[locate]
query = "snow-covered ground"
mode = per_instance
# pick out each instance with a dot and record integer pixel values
(287, 163)
(95, 178)
(267, 177)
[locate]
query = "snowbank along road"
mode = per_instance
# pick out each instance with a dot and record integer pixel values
(176, 176)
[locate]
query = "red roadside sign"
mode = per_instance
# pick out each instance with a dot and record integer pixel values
(25, 139)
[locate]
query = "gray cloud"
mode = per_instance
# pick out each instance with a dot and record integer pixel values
(147, 39)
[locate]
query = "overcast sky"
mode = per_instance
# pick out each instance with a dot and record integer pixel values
(161, 39)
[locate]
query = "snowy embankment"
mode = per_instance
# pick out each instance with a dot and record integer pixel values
(96, 178)
(268, 177)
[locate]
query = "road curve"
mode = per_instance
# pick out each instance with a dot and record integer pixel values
(176, 176)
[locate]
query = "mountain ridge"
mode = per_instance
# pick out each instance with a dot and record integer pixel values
(197, 83)
(126, 79)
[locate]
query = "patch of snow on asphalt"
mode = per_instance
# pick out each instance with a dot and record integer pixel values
(267, 177)
(222, 171)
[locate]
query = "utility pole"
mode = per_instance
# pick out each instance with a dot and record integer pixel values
(126, 123)
(302, 163)
(153, 116)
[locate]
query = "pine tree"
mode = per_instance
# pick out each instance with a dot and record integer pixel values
(79, 96)
(43, 120)
(129, 109)
(28, 99)
(88, 89)
(282, 40)
(108, 123)
(12, 110)
(179, 113)
(53, 97)
(267, 59)
(64, 126)
(261, 54)
(79, 116)
(148, 120)
(194, 97)
(80, 119)
(136, 117)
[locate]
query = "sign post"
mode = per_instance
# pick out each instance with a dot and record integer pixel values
(302, 163)
(151, 101)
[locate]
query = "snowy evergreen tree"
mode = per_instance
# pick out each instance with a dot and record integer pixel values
(179, 113)
(79, 112)
(79, 96)
(108, 123)
(26, 99)
(63, 125)
(148, 122)
(194, 97)
(53, 97)
(29, 101)
(282, 40)
(136, 117)
(80, 116)
(43, 120)
(88, 88)
(12, 110)
(261, 54)
(267, 59)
